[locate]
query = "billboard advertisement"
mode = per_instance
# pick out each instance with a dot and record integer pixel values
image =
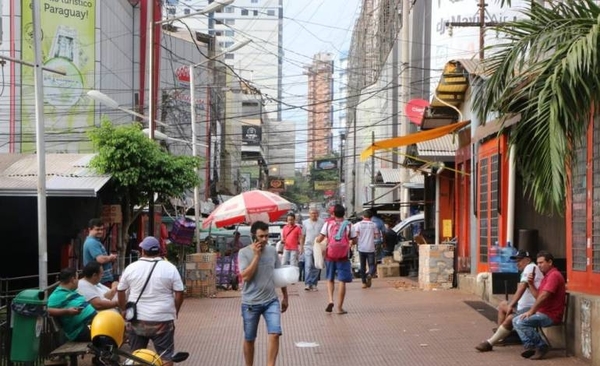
(326, 164)
(251, 135)
(68, 45)
(325, 185)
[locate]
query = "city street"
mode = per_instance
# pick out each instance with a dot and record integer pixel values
(393, 323)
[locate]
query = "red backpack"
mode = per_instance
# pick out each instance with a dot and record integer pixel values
(338, 239)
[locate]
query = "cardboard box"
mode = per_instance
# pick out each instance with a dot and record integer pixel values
(388, 270)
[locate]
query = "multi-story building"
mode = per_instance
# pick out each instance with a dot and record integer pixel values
(259, 62)
(320, 115)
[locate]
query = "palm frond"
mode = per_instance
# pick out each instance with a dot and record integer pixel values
(547, 70)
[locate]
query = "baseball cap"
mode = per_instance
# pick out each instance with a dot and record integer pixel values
(150, 244)
(520, 255)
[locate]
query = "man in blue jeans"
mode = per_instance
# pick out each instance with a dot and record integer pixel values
(257, 262)
(368, 234)
(547, 310)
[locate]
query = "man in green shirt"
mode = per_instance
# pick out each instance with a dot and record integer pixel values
(70, 308)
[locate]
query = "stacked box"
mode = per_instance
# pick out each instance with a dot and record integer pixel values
(387, 260)
(200, 275)
(436, 266)
(388, 270)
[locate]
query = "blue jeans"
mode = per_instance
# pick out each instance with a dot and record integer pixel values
(290, 257)
(311, 273)
(251, 314)
(366, 258)
(527, 330)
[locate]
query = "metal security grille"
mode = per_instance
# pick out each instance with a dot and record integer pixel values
(494, 198)
(579, 207)
(596, 193)
(483, 210)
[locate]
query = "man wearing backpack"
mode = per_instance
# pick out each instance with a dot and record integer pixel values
(340, 236)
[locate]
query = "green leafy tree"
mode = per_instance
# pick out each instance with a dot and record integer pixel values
(139, 166)
(547, 69)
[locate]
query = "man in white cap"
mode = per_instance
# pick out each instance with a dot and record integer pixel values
(156, 286)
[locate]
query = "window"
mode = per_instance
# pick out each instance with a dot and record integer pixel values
(229, 56)
(255, 13)
(583, 215)
(244, 11)
(218, 33)
(229, 9)
(229, 21)
(254, 1)
(186, 11)
(220, 21)
(271, 12)
(229, 33)
(227, 44)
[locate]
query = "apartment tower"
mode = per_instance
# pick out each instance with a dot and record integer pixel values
(320, 108)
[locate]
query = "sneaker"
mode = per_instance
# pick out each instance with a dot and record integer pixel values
(314, 288)
(364, 285)
(369, 278)
(528, 353)
(540, 353)
(484, 346)
(307, 288)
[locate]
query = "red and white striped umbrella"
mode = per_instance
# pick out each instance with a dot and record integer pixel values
(248, 207)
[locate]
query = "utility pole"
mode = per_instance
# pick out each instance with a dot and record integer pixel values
(404, 97)
(482, 24)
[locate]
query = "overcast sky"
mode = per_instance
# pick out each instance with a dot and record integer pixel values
(310, 27)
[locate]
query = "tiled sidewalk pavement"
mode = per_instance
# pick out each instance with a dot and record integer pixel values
(392, 323)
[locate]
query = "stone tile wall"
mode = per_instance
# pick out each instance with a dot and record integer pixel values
(436, 266)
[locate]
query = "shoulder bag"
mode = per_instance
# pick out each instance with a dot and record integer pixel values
(130, 306)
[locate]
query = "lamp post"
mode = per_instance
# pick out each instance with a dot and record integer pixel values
(217, 4)
(193, 122)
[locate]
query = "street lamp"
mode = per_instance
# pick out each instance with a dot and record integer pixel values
(102, 98)
(193, 121)
(215, 5)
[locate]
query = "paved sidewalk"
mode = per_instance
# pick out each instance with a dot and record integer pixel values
(392, 323)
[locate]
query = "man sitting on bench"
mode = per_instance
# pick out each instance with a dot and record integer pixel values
(521, 301)
(100, 296)
(547, 310)
(70, 308)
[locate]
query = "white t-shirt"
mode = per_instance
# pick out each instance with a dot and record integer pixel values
(366, 230)
(310, 230)
(527, 300)
(157, 302)
(91, 291)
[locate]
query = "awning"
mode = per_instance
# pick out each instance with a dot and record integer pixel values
(411, 139)
(67, 175)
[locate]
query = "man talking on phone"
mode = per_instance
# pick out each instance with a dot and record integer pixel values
(257, 263)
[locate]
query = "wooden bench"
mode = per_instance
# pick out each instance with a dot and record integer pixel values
(71, 350)
(563, 324)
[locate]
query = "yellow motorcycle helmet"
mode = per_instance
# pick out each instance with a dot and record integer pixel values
(151, 357)
(108, 329)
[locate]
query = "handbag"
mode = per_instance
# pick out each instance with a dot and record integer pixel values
(130, 306)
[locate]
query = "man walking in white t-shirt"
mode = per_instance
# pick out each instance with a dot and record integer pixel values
(367, 233)
(520, 303)
(158, 303)
(311, 228)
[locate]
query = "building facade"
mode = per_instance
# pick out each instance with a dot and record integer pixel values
(320, 107)
(259, 62)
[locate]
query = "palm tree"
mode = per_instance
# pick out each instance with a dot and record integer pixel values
(548, 70)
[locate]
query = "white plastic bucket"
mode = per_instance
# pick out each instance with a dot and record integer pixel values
(285, 276)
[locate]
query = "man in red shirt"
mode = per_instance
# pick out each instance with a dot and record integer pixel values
(547, 310)
(290, 236)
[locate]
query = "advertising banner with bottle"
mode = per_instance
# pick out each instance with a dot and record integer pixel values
(68, 45)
